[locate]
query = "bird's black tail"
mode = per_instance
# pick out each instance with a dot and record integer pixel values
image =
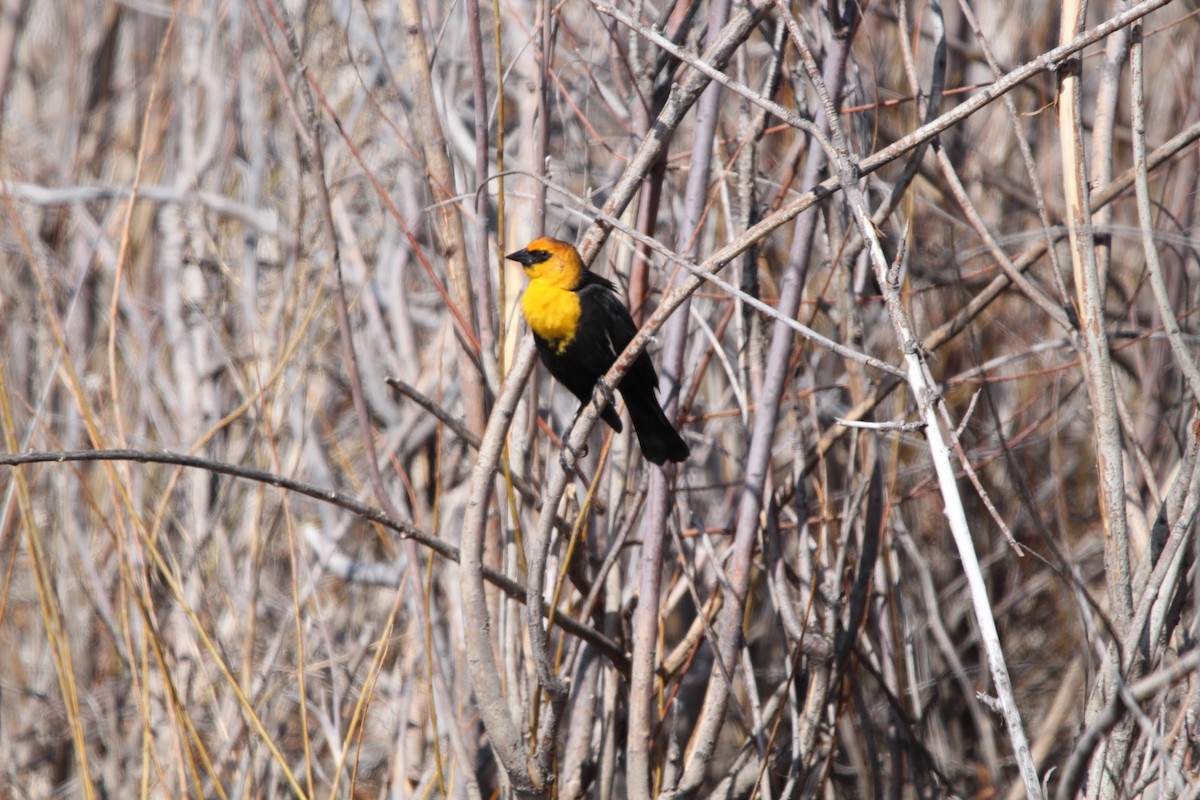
(658, 437)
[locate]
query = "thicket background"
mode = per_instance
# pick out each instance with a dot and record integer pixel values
(226, 224)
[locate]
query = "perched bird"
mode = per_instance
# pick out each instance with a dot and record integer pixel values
(581, 326)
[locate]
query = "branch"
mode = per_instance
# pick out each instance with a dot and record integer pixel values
(371, 575)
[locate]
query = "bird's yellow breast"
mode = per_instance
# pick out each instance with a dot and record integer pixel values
(552, 312)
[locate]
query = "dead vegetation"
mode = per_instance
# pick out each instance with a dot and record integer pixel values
(266, 528)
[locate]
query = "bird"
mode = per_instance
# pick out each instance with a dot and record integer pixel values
(580, 326)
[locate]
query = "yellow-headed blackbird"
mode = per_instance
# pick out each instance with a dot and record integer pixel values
(581, 326)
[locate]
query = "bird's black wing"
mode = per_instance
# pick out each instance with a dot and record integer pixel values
(603, 312)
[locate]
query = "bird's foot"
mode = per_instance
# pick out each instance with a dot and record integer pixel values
(602, 394)
(568, 457)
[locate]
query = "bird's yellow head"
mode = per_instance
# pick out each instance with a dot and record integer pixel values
(550, 260)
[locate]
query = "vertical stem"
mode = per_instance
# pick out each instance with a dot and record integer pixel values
(447, 225)
(1096, 357)
(654, 524)
(1097, 368)
(758, 460)
(481, 660)
(479, 268)
(1103, 124)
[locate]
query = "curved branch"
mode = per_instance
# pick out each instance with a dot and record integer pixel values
(481, 661)
(334, 498)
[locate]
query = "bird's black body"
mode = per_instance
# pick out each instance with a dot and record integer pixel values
(604, 328)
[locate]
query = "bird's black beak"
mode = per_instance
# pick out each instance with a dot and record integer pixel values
(527, 258)
(523, 257)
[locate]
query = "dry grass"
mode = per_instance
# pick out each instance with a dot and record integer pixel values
(185, 269)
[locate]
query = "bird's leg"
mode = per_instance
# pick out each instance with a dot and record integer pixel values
(602, 395)
(568, 457)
